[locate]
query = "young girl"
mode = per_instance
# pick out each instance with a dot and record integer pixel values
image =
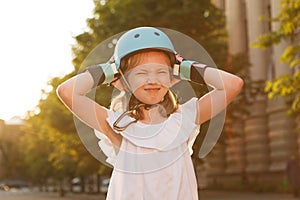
(148, 145)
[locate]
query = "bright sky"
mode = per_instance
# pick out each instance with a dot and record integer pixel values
(35, 45)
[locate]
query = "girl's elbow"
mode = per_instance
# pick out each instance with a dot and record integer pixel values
(238, 84)
(234, 85)
(63, 93)
(60, 91)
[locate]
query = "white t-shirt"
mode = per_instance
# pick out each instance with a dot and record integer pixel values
(154, 160)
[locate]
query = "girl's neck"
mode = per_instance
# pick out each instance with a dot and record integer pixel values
(152, 116)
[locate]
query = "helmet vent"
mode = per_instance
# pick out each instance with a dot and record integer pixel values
(136, 35)
(156, 33)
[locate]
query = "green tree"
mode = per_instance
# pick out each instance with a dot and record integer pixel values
(34, 149)
(287, 86)
(198, 19)
(12, 162)
(51, 146)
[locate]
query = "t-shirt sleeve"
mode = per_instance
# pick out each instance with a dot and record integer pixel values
(190, 108)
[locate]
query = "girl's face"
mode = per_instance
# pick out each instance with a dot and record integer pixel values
(150, 79)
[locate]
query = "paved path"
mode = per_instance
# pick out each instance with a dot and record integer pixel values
(231, 195)
(204, 195)
(19, 195)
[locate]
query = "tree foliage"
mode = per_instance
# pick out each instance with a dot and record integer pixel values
(198, 19)
(12, 161)
(51, 146)
(286, 85)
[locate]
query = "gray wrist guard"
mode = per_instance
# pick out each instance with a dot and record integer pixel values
(101, 73)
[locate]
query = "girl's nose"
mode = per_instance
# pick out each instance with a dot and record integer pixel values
(151, 79)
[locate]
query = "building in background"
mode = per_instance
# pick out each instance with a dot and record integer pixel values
(266, 139)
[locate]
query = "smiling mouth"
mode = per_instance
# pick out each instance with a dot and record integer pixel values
(152, 89)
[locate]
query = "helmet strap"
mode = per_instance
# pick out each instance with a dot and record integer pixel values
(127, 86)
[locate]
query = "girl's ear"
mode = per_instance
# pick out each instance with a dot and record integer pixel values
(118, 84)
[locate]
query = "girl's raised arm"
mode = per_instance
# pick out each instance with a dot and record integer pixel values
(73, 94)
(226, 87)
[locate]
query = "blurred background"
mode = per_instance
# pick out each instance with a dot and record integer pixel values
(255, 39)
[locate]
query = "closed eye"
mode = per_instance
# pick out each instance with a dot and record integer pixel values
(140, 73)
(162, 72)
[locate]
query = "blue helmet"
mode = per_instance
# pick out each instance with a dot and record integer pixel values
(141, 38)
